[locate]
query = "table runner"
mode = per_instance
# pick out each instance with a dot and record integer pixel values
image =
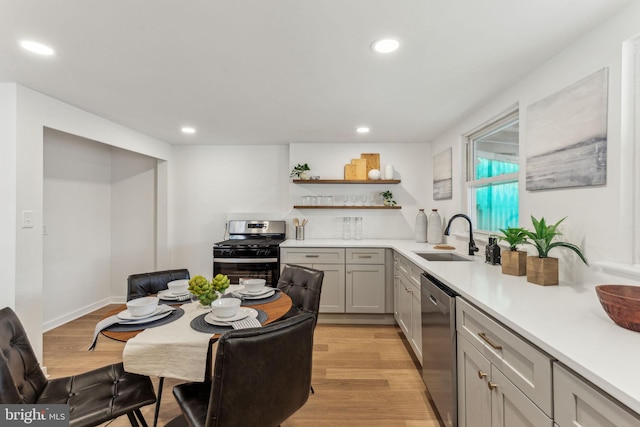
(174, 350)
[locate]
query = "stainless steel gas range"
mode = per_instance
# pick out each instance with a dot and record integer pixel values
(252, 251)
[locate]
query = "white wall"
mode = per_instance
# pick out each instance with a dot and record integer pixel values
(133, 218)
(413, 164)
(7, 193)
(99, 215)
(34, 112)
(211, 184)
(599, 218)
(77, 221)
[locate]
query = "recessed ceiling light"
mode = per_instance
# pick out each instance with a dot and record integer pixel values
(188, 129)
(363, 129)
(36, 47)
(385, 45)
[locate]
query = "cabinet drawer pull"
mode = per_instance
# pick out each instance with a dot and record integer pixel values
(364, 256)
(312, 256)
(488, 341)
(482, 375)
(492, 386)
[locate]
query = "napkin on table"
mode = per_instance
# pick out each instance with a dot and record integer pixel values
(113, 320)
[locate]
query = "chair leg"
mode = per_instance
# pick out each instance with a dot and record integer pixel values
(132, 420)
(141, 418)
(155, 416)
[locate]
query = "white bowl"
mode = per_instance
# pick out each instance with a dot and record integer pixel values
(178, 287)
(142, 306)
(225, 307)
(254, 285)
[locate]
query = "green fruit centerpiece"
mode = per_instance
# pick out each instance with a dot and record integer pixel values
(206, 291)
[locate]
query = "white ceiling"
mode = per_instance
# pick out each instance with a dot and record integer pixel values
(282, 71)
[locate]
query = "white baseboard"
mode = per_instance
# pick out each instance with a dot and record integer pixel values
(61, 320)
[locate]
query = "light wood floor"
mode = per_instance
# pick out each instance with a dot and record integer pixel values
(362, 375)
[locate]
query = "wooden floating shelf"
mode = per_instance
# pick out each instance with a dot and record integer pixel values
(346, 181)
(346, 207)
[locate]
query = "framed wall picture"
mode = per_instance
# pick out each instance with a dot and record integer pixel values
(567, 136)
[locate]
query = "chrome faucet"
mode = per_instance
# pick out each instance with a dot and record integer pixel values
(472, 244)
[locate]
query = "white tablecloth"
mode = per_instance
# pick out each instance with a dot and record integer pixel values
(174, 350)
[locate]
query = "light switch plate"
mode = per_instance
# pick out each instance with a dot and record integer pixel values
(27, 219)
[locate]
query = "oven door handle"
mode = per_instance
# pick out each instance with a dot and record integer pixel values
(244, 260)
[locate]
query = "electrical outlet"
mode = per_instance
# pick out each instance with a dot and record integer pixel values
(27, 219)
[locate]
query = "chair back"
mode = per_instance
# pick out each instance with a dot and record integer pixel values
(303, 285)
(21, 379)
(144, 284)
(262, 376)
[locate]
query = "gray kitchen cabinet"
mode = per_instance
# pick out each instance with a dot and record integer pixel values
(474, 397)
(365, 280)
(354, 280)
(579, 404)
(407, 310)
(486, 398)
(515, 374)
(329, 260)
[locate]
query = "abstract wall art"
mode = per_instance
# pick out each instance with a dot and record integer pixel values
(566, 136)
(442, 176)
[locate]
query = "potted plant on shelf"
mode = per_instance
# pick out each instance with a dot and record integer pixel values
(387, 198)
(301, 171)
(514, 262)
(542, 269)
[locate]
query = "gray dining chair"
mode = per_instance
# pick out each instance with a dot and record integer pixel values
(261, 377)
(94, 397)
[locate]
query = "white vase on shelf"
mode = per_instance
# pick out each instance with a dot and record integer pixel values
(388, 172)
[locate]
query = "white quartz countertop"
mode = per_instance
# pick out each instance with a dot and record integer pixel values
(566, 321)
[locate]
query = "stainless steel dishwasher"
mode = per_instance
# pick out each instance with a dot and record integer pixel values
(439, 347)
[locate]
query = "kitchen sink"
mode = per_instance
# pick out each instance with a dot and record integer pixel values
(447, 256)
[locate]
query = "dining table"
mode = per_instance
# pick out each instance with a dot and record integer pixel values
(184, 348)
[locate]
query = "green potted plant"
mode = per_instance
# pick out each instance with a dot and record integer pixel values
(542, 269)
(514, 262)
(387, 198)
(301, 171)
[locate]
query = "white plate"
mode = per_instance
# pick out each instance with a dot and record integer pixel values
(126, 315)
(244, 312)
(262, 292)
(167, 295)
(257, 296)
(178, 294)
(158, 316)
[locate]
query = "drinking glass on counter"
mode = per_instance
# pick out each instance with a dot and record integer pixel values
(346, 228)
(328, 200)
(358, 235)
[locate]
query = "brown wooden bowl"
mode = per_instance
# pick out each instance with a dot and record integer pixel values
(622, 304)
